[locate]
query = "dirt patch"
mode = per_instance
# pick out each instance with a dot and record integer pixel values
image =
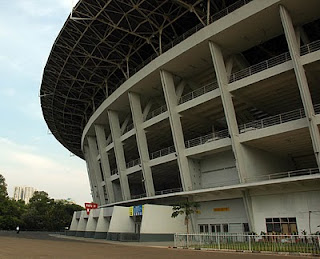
(36, 246)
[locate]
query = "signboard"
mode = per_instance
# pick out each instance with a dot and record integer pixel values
(221, 209)
(136, 210)
(90, 206)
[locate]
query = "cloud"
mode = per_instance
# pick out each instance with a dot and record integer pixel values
(62, 177)
(8, 92)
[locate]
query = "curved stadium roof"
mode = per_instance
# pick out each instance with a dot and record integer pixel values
(104, 43)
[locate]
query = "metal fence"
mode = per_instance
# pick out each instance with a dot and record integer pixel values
(198, 92)
(173, 190)
(207, 138)
(306, 244)
(309, 48)
(157, 112)
(295, 173)
(274, 61)
(133, 163)
(114, 171)
(273, 120)
(162, 152)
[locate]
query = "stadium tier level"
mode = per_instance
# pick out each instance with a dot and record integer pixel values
(208, 101)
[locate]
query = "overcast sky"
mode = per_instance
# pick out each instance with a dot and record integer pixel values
(29, 156)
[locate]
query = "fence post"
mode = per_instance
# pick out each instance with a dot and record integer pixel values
(187, 240)
(175, 240)
(250, 249)
(218, 237)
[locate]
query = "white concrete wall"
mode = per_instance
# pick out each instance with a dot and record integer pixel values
(74, 222)
(288, 205)
(121, 222)
(92, 222)
(103, 222)
(82, 222)
(157, 219)
(236, 213)
(260, 162)
(218, 168)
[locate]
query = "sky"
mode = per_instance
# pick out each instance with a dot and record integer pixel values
(29, 155)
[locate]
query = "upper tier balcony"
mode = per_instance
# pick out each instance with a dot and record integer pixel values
(249, 71)
(207, 138)
(276, 120)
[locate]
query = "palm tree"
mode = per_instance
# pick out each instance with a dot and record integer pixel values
(186, 208)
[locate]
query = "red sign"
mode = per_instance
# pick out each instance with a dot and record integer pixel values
(90, 206)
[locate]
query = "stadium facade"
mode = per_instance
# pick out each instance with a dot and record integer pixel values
(211, 101)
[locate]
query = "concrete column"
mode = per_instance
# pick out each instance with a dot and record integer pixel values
(176, 128)
(301, 80)
(82, 224)
(248, 208)
(102, 225)
(142, 144)
(74, 225)
(102, 144)
(222, 79)
(91, 226)
(96, 168)
(91, 174)
(119, 154)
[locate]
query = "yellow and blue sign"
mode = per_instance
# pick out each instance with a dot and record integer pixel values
(136, 210)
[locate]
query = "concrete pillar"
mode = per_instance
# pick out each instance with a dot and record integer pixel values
(222, 79)
(74, 225)
(82, 224)
(142, 144)
(92, 178)
(103, 223)
(96, 167)
(91, 225)
(121, 222)
(176, 128)
(119, 154)
(102, 144)
(301, 80)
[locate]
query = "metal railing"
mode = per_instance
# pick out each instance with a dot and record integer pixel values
(273, 120)
(162, 152)
(133, 163)
(198, 92)
(305, 244)
(289, 174)
(157, 112)
(309, 48)
(128, 128)
(114, 171)
(317, 108)
(168, 191)
(282, 58)
(260, 67)
(207, 138)
(138, 196)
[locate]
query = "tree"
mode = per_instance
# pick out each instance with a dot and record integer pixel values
(3, 188)
(10, 210)
(186, 208)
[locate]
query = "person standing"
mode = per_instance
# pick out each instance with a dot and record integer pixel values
(18, 229)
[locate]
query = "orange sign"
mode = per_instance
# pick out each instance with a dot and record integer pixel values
(221, 209)
(90, 206)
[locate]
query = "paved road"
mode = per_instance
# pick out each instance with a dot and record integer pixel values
(41, 245)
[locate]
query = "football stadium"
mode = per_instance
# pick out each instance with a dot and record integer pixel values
(214, 102)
